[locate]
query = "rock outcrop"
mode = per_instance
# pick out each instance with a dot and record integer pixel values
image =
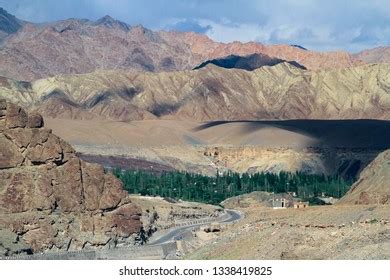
(52, 200)
(373, 185)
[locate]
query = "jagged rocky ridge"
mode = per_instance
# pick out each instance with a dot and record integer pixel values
(81, 46)
(50, 200)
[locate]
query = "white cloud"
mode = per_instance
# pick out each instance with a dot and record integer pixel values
(228, 32)
(315, 24)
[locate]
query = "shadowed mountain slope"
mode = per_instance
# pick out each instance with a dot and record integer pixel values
(373, 134)
(8, 24)
(373, 184)
(249, 62)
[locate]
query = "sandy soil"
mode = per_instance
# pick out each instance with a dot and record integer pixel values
(293, 134)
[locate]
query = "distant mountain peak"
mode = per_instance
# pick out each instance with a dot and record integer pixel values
(106, 19)
(110, 22)
(9, 23)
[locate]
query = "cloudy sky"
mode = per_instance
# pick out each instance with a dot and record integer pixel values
(351, 25)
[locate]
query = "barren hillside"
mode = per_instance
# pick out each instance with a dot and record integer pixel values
(319, 232)
(343, 147)
(375, 55)
(211, 93)
(80, 46)
(373, 185)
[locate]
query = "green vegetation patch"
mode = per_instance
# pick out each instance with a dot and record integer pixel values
(213, 190)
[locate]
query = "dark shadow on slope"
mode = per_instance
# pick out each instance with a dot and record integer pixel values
(346, 146)
(330, 133)
(125, 94)
(162, 109)
(299, 47)
(249, 62)
(60, 96)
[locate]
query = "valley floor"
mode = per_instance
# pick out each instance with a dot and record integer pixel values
(311, 146)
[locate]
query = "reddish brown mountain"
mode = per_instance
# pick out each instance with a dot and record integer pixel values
(80, 46)
(375, 55)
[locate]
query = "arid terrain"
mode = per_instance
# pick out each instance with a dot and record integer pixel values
(319, 232)
(80, 98)
(375, 55)
(160, 213)
(81, 46)
(356, 227)
(330, 147)
(51, 201)
(211, 93)
(174, 118)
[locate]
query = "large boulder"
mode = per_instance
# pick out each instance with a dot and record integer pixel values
(34, 120)
(16, 116)
(52, 200)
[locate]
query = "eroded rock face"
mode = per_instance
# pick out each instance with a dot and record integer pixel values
(52, 200)
(211, 93)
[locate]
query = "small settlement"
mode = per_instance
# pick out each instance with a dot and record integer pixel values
(287, 200)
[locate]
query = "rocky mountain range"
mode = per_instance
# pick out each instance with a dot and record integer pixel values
(129, 97)
(79, 46)
(210, 93)
(106, 70)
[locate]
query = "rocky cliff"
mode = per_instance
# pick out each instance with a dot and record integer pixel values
(52, 200)
(373, 185)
